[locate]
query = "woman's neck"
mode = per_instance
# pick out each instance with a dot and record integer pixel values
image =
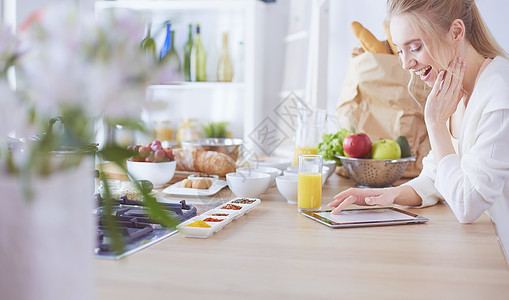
(474, 61)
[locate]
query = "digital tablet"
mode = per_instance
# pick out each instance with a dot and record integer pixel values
(365, 217)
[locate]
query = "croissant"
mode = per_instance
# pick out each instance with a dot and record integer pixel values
(368, 41)
(210, 162)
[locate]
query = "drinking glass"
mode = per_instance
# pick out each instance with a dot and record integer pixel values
(310, 182)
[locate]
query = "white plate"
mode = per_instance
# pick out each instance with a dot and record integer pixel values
(177, 189)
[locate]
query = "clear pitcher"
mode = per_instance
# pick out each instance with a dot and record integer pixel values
(309, 131)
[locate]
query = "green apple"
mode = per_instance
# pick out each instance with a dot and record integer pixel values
(385, 149)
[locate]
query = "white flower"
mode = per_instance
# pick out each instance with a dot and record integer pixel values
(97, 65)
(13, 115)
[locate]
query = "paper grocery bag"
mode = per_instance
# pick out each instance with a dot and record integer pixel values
(375, 100)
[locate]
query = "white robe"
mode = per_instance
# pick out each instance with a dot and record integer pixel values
(476, 179)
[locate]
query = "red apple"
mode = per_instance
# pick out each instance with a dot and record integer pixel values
(356, 145)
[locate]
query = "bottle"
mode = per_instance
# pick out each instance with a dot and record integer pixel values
(187, 54)
(188, 130)
(224, 67)
(148, 44)
(173, 57)
(163, 130)
(167, 41)
(198, 59)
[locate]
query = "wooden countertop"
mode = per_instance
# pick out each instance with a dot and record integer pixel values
(274, 252)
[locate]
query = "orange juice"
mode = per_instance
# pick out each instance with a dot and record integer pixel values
(302, 151)
(309, 191)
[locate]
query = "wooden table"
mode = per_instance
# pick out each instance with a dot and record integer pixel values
(274, 252)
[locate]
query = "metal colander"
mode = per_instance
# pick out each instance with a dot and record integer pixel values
(375, 172)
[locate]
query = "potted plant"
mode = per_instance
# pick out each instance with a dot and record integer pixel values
(82, 71)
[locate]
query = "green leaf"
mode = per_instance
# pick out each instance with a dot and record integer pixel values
(332, 145)
(216, 130)
(115, 153)
(157, 212)
(127, 123)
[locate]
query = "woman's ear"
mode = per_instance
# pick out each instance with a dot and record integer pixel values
(457, 30)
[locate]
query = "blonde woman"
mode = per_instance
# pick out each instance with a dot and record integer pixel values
(448, 46)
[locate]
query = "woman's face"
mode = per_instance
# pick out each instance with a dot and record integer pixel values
(414, 56)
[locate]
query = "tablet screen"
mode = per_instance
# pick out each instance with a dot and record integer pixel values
(365, 217)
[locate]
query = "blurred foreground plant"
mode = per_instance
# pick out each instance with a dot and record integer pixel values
(72, 71)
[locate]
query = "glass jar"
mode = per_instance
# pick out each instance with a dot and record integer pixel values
(163, 131)
(188, 130)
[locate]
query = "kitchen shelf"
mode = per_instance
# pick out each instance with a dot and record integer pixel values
(237, 102)
(185, 85)
(151, 5)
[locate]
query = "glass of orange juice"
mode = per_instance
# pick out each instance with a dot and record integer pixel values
(310, 182)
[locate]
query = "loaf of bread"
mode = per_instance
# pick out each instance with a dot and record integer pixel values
(387, 30)
(187, 183)
(368, 41)
(210, 162)
(202, 183)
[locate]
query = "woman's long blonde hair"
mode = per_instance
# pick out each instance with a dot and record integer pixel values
(432, 19)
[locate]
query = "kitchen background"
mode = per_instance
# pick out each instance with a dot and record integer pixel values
(280, 50)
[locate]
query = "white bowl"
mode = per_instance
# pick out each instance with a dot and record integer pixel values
(291, 172)
(273, 172)
(332, 166)
(249, 185)
(271, 161)
(158, 173)
(294, 171)
(288, 187)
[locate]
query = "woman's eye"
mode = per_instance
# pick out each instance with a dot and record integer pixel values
(416, 49)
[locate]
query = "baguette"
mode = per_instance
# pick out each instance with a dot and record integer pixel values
(389, 38)
(368, 41)
(210, 162)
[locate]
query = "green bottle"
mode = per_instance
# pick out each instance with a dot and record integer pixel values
(198, 59)
(148, 44)
(224, 66)
(172, 56)
(187, 54)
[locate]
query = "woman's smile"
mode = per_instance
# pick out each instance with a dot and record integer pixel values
(424, 73)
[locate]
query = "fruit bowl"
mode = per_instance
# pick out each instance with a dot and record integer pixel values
(375, 172)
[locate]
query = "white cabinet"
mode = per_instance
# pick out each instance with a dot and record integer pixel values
(235, 102)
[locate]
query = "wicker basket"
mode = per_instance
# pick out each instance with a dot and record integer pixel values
(375, 172)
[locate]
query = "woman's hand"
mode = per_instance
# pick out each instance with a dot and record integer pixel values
(382, 197)
(442, 102)
(447, 92)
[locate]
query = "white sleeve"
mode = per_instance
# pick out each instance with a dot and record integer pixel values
(473, 184)
(424, 184)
